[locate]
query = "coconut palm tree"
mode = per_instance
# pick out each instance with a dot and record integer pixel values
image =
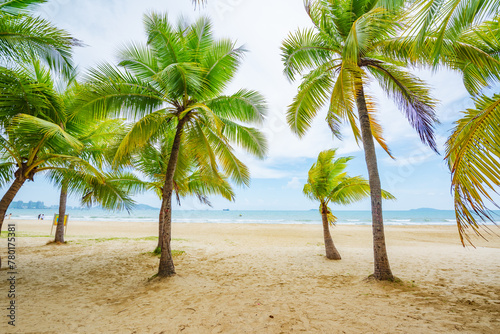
(175, 83)
(31, 112)
(24, 36)
(343, 52)
(111, 190)
(327, 183)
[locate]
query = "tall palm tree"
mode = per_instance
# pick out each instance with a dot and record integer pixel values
(343, 51)
(175, 83)
(24, 36)
(327, 183)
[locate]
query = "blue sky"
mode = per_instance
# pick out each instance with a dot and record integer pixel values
(418, 177)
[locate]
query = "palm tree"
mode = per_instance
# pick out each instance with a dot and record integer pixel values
(24, 37)
(190, 179)
(31, 112)
(111, 190)
(435, 27)
(473, 152)
(345, 49)
(464, 36)
(175, 83)
(327, 183)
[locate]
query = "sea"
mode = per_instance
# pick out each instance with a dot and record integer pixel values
(407, 217)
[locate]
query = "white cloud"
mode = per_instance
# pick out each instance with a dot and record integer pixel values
(294, 183)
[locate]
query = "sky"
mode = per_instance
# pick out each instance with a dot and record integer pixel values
(418, 177)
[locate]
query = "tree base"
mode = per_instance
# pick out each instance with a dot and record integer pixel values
(52, 242)
(165, 275)
(388, 278)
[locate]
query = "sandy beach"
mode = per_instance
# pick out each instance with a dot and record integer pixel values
(250, 278)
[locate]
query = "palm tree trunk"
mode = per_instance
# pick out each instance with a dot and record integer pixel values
(62, 213)
(382, 270)
(160, 231)
(167, 267)
(9, 197)
(331, 251)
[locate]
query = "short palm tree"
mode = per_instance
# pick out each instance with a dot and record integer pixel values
(190, 179)
(344, 50)
(175, 83)
(31, 114)
(111, 190)
(24, 36)
(327, 183)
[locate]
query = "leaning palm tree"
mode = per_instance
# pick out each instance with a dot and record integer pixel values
(344, 51)
(24, 36)
(327, 183)
(175, 83)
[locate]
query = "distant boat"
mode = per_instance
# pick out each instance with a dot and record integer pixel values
(225, 209)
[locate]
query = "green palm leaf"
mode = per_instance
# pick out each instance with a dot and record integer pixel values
(473, 154)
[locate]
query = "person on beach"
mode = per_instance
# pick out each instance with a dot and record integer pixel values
(39, 215)
(10, 215)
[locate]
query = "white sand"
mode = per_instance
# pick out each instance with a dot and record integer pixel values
(249, 278)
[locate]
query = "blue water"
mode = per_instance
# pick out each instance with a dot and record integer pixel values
(410, 217)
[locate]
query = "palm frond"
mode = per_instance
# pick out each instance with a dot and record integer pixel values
(23, 36)
(111, 92)
(244, 105)
(473, 155)
(221, 60)
(7, 170)
(311, 96)
(250, 139)
(35, 132)
(412, 95)
(328, 182)
(19, 6)
(304, 50)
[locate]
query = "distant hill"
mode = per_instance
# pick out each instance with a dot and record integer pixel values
(426, 209)
(145, 207)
